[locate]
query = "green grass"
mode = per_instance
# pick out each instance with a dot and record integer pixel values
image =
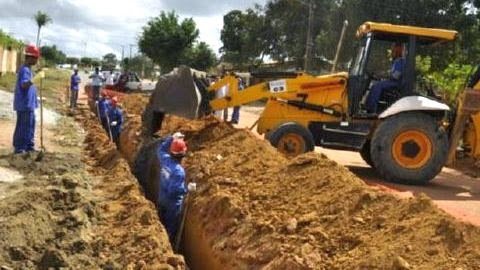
(54, 85)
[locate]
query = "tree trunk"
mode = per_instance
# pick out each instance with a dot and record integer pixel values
(38, 37)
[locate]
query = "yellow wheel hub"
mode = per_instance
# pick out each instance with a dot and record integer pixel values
(291, 145)
(412, 149)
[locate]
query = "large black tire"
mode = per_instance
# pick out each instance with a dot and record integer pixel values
(292, 139)
(409, 148)
(365, 154)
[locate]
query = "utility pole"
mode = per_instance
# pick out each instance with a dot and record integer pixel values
(121, 59)
(308, 47)
(131, 45)
(339, 46)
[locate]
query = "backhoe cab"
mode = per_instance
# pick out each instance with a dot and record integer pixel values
(372, 59)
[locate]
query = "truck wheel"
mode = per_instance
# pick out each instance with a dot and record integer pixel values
(409, 148)
(365, 154)
(292, 139)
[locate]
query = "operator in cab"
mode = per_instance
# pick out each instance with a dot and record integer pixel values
(394, 80)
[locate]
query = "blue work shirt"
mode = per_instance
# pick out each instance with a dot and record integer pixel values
(172, 177)
(115, 114)
(397, 69)
(103, 107)
(25, 100)
(75, 82)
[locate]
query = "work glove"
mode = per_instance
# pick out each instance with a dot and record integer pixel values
(114, 124)
(192, 187)
(178, 135)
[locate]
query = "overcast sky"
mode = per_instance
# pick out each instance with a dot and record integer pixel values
(97, 27)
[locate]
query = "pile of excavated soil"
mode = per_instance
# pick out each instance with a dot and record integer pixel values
(46, 218)
(256, 209)
(132, 236)
(134, 103)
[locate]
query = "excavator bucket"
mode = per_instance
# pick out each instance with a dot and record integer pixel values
(182, 93)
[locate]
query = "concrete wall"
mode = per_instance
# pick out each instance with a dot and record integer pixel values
(9, 60)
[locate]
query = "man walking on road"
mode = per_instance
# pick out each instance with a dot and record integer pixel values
(97, 82)
(25, 102)
(172, 182)
(74, 86)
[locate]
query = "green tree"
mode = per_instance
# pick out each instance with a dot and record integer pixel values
(96, 62)
(86, 61)
(73, 61)
(8, 41)
(200, 57)
(109, 61)
(41, 19)
(52, 55)
(287, 36)
(142, 65)
(165, 40)
(244, 36)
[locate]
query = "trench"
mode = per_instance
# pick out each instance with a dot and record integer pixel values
(194, 246)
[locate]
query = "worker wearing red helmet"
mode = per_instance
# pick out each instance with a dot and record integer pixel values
(103, 105)
(115, 118)
(25, 102)
(172, 182)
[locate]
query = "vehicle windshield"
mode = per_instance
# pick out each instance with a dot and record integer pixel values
(359, 63)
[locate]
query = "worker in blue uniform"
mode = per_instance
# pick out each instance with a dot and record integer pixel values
(74, 87)
(103, 105)
(395, 79)
(115, 118)
(236, 109)
(25, 102)
(172, 187)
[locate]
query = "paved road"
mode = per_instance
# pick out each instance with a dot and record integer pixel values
(452, 191)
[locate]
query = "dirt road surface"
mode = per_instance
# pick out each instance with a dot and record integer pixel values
(453, 191)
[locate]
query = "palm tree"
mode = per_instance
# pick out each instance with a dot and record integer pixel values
(42, 19)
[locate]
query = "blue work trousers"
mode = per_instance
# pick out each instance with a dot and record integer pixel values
(376, 93)
(24, 135)
(170, 214)
(73, 98)
(116, 134)
(96, 92)
(236, 114)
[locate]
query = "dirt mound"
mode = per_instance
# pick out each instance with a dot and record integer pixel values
(134, 103)
(46, 218)
(257, 209)
(131, 236)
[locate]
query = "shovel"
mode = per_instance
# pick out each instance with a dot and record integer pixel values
(42, 147)
(109, 129)
(178, 237)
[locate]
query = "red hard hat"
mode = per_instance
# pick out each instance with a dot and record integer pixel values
(32, 50)
(178, 147)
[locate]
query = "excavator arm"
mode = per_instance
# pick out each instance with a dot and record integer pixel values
(292, 91)
(467, 120)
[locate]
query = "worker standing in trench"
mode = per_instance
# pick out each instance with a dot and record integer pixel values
(103, 106)
(25, 102)
(172, 182)
(115, 118)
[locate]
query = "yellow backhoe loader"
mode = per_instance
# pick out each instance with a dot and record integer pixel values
(408, 140)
